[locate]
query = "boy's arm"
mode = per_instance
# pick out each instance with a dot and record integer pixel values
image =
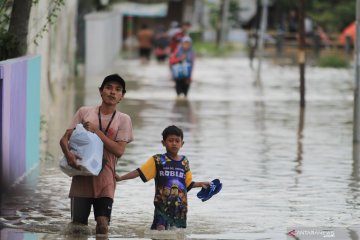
(130, 175)
(147, 171)
(201, 184)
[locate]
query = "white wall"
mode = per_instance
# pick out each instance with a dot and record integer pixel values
(103, 40)
(57, 48)
(247, 10)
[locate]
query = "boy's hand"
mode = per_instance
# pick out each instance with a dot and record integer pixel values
(201, 184)
(205, 184)
(117, 178)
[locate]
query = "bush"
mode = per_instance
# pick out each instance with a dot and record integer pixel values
(333, 61)
(209, 49)
(196, 36)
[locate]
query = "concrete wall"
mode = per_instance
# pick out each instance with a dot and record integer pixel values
(35, 92)
(20, 117)
(57, 49)
(103, 40)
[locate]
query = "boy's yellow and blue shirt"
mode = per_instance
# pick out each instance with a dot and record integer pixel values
(173, 179)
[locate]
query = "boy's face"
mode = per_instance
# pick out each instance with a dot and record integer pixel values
(112, 93)
(186, 45)
(173, 144)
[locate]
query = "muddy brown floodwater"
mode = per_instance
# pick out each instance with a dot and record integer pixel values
(281, 168)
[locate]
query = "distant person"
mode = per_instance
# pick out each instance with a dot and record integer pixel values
(178, 34)
(161, 44)
(173, 30)
(173, 180)
(293, 22)
(323, 36)
(309, 30)
(115, 131)
(181, 64)
(308, 26)
(145, 39)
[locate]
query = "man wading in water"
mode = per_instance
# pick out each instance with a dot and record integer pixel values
(115, 130)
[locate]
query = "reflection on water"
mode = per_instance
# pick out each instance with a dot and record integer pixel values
(279, 168)
(300, 135)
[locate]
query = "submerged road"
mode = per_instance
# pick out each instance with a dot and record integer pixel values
(282, 168)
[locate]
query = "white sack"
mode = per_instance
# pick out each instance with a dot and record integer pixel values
(89, 147)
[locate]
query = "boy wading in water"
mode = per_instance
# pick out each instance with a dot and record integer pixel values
(173, 179)
(184, 54)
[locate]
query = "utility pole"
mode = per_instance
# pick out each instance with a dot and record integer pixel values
(263, 27)
(301, 52)
(356, 137)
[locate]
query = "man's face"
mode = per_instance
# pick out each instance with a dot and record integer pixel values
(112, 93)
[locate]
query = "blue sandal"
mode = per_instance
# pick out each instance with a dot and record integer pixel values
(206, 193)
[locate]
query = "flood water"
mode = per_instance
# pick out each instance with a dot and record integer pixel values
(281, 168)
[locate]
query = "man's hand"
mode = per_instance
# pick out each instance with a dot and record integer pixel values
(90, 127)
(71, 160)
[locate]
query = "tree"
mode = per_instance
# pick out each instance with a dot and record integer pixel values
(14, 25)
(335, 15)
(13, 42)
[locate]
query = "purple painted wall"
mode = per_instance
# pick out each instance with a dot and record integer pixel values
(20, 86)
(18, 119)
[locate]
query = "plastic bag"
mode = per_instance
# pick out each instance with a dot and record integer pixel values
(89, 147)
(181, 70)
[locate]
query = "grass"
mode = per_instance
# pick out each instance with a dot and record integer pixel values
(209, 49)
(333, 61)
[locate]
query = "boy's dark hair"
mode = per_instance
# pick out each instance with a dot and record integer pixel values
(114, 78)
(172, 130)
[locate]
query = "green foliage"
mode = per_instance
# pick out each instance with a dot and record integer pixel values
(333, 61)
(234, 9)
(54, 10)
(215, 14)
(196, 36)
(209, 49)
(286, 5)
(334, 15)
(9, 44)
(4, 15)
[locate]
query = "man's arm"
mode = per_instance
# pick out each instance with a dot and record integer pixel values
(116, 148)
(70, 156)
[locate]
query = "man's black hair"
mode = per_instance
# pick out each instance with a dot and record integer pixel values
(172, 130)
(114, 78)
